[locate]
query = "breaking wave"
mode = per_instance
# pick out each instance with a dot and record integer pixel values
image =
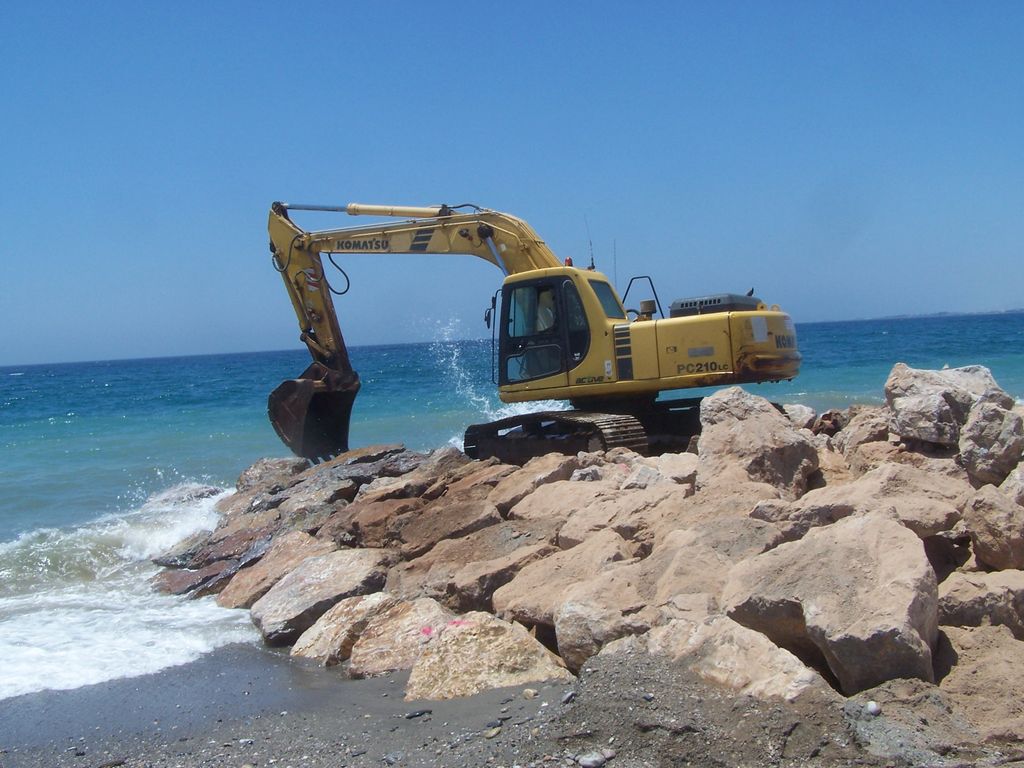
(76, 607)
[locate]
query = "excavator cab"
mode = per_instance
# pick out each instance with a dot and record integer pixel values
(544, 331)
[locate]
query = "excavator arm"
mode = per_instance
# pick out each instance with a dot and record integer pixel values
(311, 413)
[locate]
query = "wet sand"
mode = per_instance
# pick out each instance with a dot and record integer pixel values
(245, 705)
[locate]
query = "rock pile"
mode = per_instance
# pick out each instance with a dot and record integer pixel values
(880, 544)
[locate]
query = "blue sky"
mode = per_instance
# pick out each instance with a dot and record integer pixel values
(847, 160)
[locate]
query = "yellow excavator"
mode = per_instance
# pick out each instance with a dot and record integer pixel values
(562, 333)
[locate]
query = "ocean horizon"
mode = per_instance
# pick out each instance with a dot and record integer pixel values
(105, 464)
(6, 367)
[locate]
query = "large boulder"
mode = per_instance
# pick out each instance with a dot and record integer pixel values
(936, 460)
(417, 476)
(231, 546)
(478, 652)
(449, 517)
(295, 602)
(926, 503)
(1013, 485)
(680, 468)
(475, 474)
(579, 509)
(536, 592)
(310, 496)
(181, 582)
(538, 471)
(339, 479)
(984, 681)
(394, 639)
(733, 494)
(584, 626)
(977, 599)
(866, 425)
(472, 586)
(284, 555)
(858, 596)
(740, 430)
(179, 555)
(261, 480)
(726, 653)
(468, 560)
(556, 500)
(932, 406)
(329, 641)
(271, 475)
(687, 567)
(370, 523)
(802, 416)
(996, 527)
(991, 442)
(627, 512)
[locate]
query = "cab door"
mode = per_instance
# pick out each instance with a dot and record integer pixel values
(533, 341)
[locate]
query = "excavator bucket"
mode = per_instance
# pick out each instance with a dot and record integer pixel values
(311, 413)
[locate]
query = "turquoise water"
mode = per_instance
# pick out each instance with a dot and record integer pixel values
(99, 463)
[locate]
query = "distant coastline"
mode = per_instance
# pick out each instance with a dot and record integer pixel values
(925, 316)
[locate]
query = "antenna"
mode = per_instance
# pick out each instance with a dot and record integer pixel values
(589, 241)
(615, 263)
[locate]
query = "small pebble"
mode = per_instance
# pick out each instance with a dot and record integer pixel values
(591, 760)
(417, 713)
(529, 693)
(648, 697)
(873, 709)
(568, 696)
(490, 733)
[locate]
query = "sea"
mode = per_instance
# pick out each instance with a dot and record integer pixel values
(104, 465)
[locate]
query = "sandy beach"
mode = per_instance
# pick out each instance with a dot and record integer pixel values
(247, 705)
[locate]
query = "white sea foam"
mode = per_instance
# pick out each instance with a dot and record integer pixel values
(76, 606)
(483, 405)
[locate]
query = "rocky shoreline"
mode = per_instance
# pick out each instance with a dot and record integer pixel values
(859, 573)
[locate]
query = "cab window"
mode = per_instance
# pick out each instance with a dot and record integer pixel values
(532, 311)
(609, 301)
